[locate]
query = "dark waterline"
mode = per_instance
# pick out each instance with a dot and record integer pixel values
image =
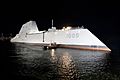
(25, 62)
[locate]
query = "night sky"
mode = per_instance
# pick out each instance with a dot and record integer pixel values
(100, 17)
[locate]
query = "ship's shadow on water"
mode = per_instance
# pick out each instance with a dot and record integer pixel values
(30, 62)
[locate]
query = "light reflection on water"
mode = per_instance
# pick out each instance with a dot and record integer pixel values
(59, 64)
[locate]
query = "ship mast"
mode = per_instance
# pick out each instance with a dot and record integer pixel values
(52, 22)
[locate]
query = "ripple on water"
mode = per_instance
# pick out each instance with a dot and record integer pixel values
(60, 64)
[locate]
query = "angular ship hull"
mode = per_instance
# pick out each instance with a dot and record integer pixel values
(79, 38)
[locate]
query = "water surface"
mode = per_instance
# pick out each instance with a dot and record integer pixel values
(31, 62)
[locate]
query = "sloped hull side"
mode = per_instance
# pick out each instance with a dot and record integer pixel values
(78, 38)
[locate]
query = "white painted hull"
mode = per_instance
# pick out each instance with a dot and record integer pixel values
(76, 38)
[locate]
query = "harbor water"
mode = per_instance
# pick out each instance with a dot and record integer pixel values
(32, 62)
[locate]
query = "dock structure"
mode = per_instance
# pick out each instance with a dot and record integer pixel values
(4, 38)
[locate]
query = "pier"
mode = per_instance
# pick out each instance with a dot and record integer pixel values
(5, 37)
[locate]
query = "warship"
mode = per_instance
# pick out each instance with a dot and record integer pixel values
(67, 37)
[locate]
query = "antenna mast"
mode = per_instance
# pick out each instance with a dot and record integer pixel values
(52, 22)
